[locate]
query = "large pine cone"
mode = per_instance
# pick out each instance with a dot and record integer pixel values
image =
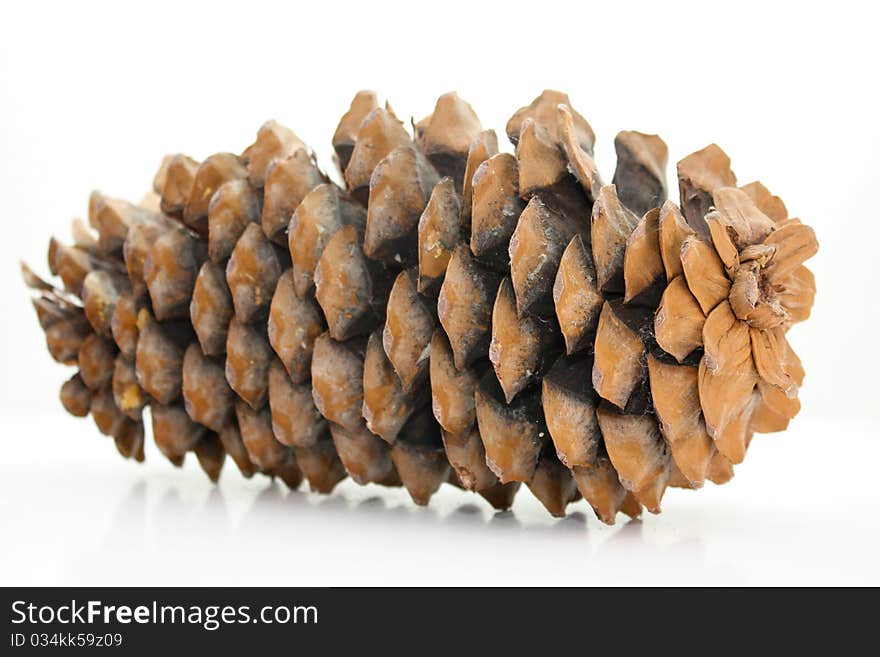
(509, 316)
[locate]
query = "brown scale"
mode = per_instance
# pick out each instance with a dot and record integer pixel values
(248, 356)
(289, 473)
(159, 359)
(75, 396)
(124, 323)
(211, 455)
(65, 337)
(34, 282)
(677, 403)
(151, 200)
(288, 181)
(619, 366)
(346, 133)
(638, 453)
(467, 456)
(52, 308)
(464, 306)
(495, 208)
(419, 457)
(576, 297)
(274, 142)
(445, 136)
(409, 327)
(610, 228)
(698, 174)
(439, 232)
(213, 172)
(673, 230)
(107, 416)
(170, 271)
(765, 201)
(322, 212)
(211, 309)
(293, 325)
(73, 263)
(501, 496)
(101, 291)
(727, 379)
(207, 397)
(365, 456)
(321, 465)
(542, 163)
(543, 111)
(569, 403)
(536, 248)
(513, 434)
(554, 149)
(578, 153)
(521, 346)
(386, 405)
(379, 133)
(233, 207)
(252, 272)
(678, 322)
(52, 251)
(174, 432)
(338, 380)
(553, 485)
(350, 287)
(601, 487)
(230, 438)
(483, 146)
(296, 421)
(112, 219)
(422, 469)
(262, 447)
(644, 277)
(127, 393)
(84, 237)
(96, 360)
(173, 183)
(129, 440)
(138, 242)
(452, 389)
(704, 273)
(640, 174)
(400, 187)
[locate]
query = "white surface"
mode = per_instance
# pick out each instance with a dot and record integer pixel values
(792, 515)
(94, 94)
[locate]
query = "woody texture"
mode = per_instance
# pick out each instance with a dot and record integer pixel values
(446, 313)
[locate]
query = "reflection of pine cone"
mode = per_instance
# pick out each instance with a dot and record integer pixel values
(508, 315)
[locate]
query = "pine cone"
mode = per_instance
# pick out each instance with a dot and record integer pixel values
(452, 314)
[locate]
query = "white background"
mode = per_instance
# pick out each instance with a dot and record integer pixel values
(93, 94)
